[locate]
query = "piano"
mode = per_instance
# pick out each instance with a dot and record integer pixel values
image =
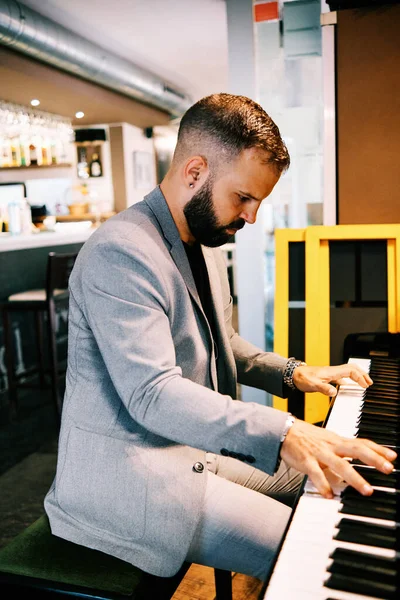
(348, 547)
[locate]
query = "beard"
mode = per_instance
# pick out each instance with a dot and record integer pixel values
(202, 220)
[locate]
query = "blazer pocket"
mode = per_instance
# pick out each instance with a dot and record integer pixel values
(104, 483)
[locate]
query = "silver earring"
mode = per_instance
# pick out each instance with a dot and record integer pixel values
(191, 185)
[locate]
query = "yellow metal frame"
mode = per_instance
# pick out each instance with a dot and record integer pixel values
(281, 304)
(317, 324)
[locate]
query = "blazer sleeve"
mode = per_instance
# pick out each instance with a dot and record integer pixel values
(126, 305)
(255, 367)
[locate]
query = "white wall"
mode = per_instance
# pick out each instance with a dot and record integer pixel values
(139, 162)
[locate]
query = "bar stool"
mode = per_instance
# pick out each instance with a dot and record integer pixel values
(43, 303)
(37, 564)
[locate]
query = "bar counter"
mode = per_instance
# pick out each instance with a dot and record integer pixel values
(23, 263)
(23, 258)
(10, 242)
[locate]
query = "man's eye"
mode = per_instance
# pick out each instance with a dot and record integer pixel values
(243, 198)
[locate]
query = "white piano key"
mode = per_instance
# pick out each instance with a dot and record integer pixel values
(301, 567)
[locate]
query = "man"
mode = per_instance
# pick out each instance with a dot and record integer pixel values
(158, 463)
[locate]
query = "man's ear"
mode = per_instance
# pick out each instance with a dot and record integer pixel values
(195, 171)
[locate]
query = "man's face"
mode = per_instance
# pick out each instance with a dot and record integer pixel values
(219, 209)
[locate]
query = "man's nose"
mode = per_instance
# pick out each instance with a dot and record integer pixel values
(249, 214)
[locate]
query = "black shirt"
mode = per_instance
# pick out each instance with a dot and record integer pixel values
(200, 275)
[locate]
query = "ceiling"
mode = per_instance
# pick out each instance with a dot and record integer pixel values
(182, 41)
(64, 94)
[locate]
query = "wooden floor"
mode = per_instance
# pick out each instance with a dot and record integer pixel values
(198, 584)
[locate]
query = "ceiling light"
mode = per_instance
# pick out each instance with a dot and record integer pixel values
(35, 102)
(79, 114)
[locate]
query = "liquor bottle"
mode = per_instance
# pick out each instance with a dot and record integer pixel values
(82, 166)
(22, 151)
(33, 154)
(46, 160)
(5, 158)
(53, 153)
(95, 166)
(15, 157)
(14, 218)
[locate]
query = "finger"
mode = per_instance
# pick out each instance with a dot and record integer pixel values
(383, 451)
(353, 372)
(368, 454)
(360, 376)
(323, 388)
(343, 468)
(318, 478)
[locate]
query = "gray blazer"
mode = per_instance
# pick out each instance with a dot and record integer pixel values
(149, 392)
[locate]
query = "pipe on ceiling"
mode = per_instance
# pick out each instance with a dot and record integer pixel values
(26, 31)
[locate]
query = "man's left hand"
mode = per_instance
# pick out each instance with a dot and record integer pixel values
(319, 379)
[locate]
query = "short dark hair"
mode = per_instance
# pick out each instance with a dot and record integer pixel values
(232, 123)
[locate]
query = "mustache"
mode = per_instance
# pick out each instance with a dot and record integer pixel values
(239, 224)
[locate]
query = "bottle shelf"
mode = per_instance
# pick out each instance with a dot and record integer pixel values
(58, 166)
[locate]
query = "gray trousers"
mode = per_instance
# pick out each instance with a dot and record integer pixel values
(244, 516)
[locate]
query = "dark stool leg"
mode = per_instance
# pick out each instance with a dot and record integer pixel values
(40, 347)
(223, 584)
(9, 360)
(52, 334)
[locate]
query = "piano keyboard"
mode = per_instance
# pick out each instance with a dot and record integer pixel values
(348, 548)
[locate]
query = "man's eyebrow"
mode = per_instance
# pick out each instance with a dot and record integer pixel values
(248, 196)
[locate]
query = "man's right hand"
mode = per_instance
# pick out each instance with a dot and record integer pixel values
(311, 449)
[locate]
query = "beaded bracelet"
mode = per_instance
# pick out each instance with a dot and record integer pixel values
(291, 365)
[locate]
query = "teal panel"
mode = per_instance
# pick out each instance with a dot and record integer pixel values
(302, 28)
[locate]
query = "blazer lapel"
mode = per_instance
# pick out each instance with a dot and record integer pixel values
(215, 286)
(223, 341)
(157, 203)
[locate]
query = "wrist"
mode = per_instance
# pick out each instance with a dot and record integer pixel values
(290, 420)
(288, 373)
(288, 425)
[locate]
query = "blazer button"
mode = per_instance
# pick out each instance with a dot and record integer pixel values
(198, 467)
(241, 456)
(224, 452)
(233, 454)
(250, 458)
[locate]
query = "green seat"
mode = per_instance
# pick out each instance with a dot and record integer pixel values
(41, 565)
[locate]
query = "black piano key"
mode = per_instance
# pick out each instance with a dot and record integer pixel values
(370, 534)
(376, 511)
(379, 427)
(361, 586)
(390, 405)
(353, 569)
(365, 560)
(371, 414)
(388, 502)
(379, 438)
(395, 463)
(376, 478)
(383, 395)
(385, 428)
(379, 421)
(379, 414)
(380, 496)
